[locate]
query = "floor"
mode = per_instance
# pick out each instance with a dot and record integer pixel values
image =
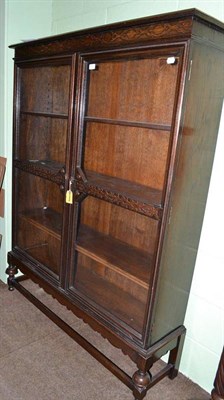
(38, 361)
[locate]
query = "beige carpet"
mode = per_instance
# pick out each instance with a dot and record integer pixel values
(38, 361)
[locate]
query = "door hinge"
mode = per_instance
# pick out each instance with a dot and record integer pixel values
(170, 215)
(190, 68)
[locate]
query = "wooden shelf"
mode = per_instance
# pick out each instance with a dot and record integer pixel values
(116, 301)
(49, 164)
(39, 235)
(45, 114)
(129, 189)
(126, 260)
(47, 169)
(47, 219)
(133, 196)
(137, 124)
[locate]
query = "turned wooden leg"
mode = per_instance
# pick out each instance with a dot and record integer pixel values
(11, 271)
(175, 356)
(141, 381)
(218, 391)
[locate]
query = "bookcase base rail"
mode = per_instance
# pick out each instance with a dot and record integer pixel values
(141, 381)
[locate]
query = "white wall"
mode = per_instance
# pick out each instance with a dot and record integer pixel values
(205, 313)
(70, 15)
(20, 20)
(2, 41)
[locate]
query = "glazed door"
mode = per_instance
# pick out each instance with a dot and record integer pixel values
(125, 137)
(41, 134)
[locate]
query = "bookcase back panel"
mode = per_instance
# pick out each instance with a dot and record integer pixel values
(113, 293)
(135, 154)
(47, 193)
(132, 228)
(134, 89)
(42, 246)
(42, 138)
(114, 261)
(39, 219)
(45, 89)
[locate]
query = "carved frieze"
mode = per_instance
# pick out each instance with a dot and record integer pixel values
(55, 175)
(108, 38)
(119, 199)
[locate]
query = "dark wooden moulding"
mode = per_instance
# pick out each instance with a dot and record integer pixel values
(218, 391)
(174, 202)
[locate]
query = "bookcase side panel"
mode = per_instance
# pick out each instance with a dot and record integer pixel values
(203, 102)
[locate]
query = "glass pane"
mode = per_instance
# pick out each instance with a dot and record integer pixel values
(115, 251)
(133, 154)
(133, 89)
(42, 138)
(43, 118)
(45, 89)
(39, 219)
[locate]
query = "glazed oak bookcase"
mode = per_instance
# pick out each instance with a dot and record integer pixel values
(115, 130)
